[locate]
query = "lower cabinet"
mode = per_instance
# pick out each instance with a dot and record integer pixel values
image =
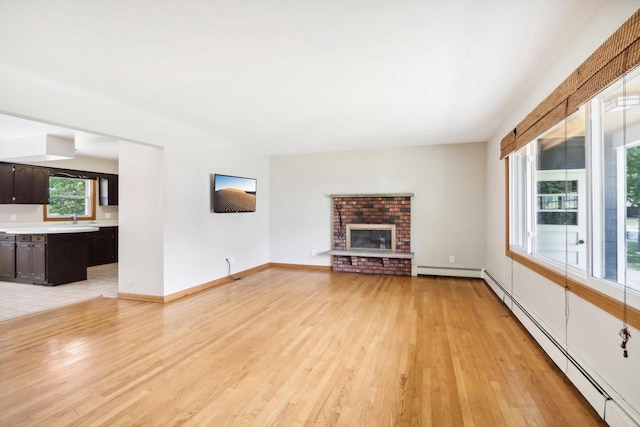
(52, 259)
(7, 256)
(31, 258)
(55, 259)
(102, 247)
(66, 258)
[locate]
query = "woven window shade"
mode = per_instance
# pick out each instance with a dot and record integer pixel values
(617, 55)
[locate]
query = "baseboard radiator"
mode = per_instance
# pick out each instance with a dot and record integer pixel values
(423, 270)
(611, 407)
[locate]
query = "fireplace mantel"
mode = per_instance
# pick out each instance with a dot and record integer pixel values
(371, 254)
(374, 195)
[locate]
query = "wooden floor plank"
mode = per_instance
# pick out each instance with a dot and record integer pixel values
(286, 347)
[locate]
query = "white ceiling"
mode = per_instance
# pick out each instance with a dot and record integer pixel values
(295, 76)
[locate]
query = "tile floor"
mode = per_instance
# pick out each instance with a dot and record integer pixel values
(19, 299)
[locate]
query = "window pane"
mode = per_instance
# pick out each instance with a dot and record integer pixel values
(619, 123)
(560, 227)
(63, 206)
(67, 187)
(518, 198)
(69, 196)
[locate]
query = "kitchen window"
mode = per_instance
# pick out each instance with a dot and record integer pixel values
(69, 197)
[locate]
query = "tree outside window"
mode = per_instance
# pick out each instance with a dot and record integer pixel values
(70, 196)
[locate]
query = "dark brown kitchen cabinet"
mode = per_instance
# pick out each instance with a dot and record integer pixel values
(6, 183)
(7, 256)
(52, 259)
(31, 258)
(108, 188)
(102, 246)
(23, 183)
(66, 258)
(28, 184)
(40, 187)
(31, 185)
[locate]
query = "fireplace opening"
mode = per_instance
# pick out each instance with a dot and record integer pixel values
(379, 237)
(371, 239)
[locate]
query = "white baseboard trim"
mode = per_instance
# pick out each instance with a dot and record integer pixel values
(422, 270)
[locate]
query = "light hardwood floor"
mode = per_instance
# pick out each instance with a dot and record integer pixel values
(286, 347)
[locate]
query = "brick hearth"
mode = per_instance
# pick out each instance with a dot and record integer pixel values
(372, 209)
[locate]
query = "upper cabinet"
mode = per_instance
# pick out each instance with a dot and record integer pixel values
(31, 185)
(108, 186)
(24, 184)
(6, 183)
(28, 184)
(40, 185)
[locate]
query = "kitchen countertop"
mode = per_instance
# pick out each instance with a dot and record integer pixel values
(53, 228)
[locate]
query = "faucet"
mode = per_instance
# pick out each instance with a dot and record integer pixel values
(74, 218)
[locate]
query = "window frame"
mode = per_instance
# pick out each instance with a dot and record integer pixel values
(92, 206)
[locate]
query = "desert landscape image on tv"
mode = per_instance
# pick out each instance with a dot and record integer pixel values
(233, 194)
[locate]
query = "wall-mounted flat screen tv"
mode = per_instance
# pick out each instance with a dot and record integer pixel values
(231, 194)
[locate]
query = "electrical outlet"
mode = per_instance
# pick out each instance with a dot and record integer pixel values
(314, 252)
(230, 259)
(107, 215)
(452, 259)
(14, 217)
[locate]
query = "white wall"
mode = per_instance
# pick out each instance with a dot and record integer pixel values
(197, 241)
(191, 235)
(591, 334)
(448, 210)
(141, 228)
(33, 213)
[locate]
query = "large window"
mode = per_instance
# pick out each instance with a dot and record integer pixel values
(69, 197)
(575, 190)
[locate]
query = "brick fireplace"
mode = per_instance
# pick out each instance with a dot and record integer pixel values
(375, 212)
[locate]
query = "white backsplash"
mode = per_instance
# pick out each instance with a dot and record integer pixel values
(33, 213)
